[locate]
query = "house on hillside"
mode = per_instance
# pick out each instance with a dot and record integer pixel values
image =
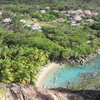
(71, 11)
(94, 13)
(34, 26)
(47, 8)
(90, 13)
(77, 18)
(56, 11)
(87, 12)
(63, 12)
(72, 22)
(0, 13)
(79, 11)
(23, 21)
(90, 20)
(43, 11)
(7, 20)
(60, 20)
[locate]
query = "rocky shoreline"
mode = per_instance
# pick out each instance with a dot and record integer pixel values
(29, 92)
(82, 60)
(88, 58)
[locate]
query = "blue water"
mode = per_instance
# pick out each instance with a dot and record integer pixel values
(76, 74)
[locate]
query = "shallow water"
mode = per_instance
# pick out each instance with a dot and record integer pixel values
(76, 74)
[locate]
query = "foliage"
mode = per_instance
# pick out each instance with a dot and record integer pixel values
(43, 17)
(23, 51)
(67, 53)
(21, 64)
(95, 26)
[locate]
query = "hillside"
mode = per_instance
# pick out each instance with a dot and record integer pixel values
(28, 92)
(69, 4)
(44, 1)
(33, 35)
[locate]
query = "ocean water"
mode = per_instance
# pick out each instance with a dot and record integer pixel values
(76, 74)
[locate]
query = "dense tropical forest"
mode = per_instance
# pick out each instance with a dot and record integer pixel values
(33, 35)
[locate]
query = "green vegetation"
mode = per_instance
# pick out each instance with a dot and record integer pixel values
(24, 50)
(21, 64)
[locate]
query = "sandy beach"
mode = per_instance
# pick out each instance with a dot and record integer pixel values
(43, 72)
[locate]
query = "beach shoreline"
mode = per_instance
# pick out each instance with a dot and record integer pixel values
(52, 65)
(44, 71)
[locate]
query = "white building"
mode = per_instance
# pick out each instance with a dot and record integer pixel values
(23, 21)
(87, 12)
(60, 20)
(56, 11)
(90, 20)
(96, 13)
(47, 8)
(35, 27)
(77, 18)
(73, 24)
(71, 12)
(7, 20)
(63, 12)
(0, 13)
(43, 11)
(79, 11)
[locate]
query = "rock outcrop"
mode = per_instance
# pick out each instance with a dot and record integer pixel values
(29, 92)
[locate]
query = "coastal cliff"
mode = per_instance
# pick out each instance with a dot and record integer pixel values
(29, 92)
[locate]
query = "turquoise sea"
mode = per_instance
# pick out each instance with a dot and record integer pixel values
(75, 74)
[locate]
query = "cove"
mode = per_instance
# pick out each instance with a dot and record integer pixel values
(66, 74)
